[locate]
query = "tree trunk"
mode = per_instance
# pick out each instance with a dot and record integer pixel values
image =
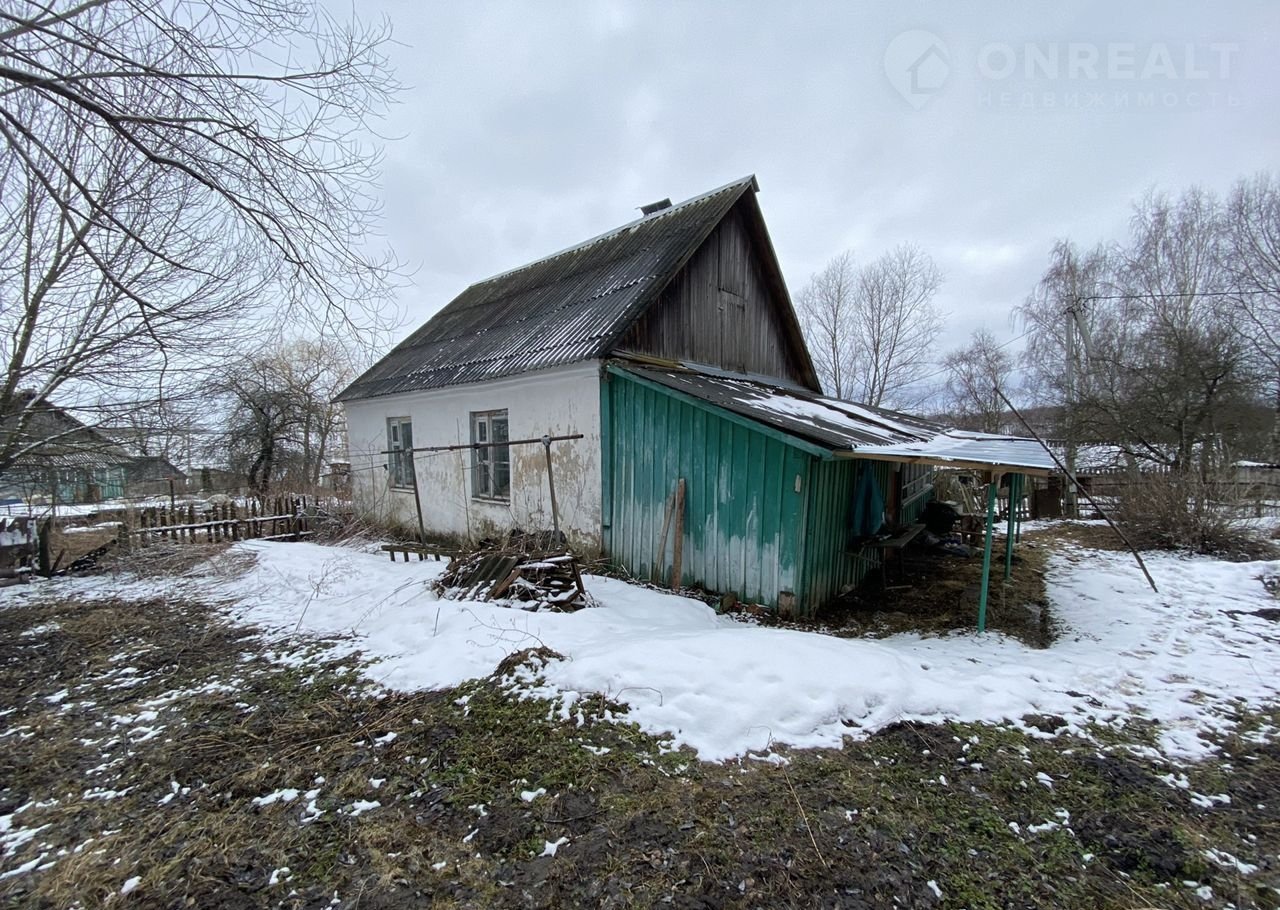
(1275, 427)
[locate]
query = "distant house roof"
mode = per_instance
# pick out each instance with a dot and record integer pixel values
(572, 306)
(846, 428)
(147, 468)
(52, 437)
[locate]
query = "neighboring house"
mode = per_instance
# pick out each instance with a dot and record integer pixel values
(150, 475)
(70, 462)
(670, 344)
(65, 460)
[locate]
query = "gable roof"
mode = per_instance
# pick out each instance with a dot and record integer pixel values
(568, 307)
(53, 437)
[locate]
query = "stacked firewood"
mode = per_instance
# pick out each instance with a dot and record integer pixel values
(520, 571)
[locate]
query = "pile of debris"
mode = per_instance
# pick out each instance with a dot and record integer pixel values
(530, 571)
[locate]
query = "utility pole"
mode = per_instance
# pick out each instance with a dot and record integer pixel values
(1070, 503)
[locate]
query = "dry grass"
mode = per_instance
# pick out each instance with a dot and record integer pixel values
(871, 825)
(1090, 536)
(1186, 512)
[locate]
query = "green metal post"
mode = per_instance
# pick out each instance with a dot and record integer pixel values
(986, 553)
(1017, 523)
(1008, 534)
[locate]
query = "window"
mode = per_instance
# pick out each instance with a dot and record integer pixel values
(491, 464)
(399, 444)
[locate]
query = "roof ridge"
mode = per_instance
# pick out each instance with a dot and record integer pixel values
(750, 179)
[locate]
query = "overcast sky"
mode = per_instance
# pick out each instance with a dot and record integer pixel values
(980, 131)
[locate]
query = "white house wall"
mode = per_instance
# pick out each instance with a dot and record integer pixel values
(560, 401)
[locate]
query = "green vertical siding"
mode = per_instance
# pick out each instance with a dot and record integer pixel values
(764, 514)
(831, 564)
(743, 516)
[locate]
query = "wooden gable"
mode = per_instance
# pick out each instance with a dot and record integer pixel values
(728, 307)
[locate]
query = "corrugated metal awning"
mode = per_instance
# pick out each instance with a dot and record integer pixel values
(962, 449)
(832, 423)
(847, 429)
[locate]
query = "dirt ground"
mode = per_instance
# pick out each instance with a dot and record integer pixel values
(152, 748)
(936, 593)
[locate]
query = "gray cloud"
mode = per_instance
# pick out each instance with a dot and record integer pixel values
(530, 127)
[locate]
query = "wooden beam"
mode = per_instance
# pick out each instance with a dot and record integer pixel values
(655, 572)
(677, 546)
(1071, 478)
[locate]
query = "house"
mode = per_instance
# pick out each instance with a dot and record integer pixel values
(151, 475)
(58, 458)
(668, 350)
(65, 460)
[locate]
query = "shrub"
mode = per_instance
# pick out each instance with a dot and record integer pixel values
(1185, 511)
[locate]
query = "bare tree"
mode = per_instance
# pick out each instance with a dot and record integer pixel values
(170, 167)
(827, 310)
(1178, 372)
(871, 330)
(282, 422)
(898, 324)
(1253, 263)
(262, 418)
(259, 107)
(1053, 317)
(183, 427)
(314, 371)
(94, 321)
(973, 373)
(1133, 344)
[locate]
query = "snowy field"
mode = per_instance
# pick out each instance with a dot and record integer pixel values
(1187, 657)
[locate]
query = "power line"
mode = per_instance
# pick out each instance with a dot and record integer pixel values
(1171, 295)
(998, 347)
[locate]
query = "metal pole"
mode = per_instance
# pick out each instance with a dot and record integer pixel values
(417, 501)
(551, 482)
(986, 552)
(1008, 534)
(1071, 504)
(1017, 525)
(1071, 477)
(485, 445)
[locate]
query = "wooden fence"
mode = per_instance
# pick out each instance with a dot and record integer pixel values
(1248, 496)
(282, 518)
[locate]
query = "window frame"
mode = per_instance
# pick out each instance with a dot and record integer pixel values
(400, 464)
(490, 473)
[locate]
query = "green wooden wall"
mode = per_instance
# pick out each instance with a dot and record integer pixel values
(743, 511)
(765, 513)
(831, 565)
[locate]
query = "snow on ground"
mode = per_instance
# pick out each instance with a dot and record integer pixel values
(726, 688)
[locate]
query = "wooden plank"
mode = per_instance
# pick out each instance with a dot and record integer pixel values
(656, 572)
(677, 551)
(501, 587)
